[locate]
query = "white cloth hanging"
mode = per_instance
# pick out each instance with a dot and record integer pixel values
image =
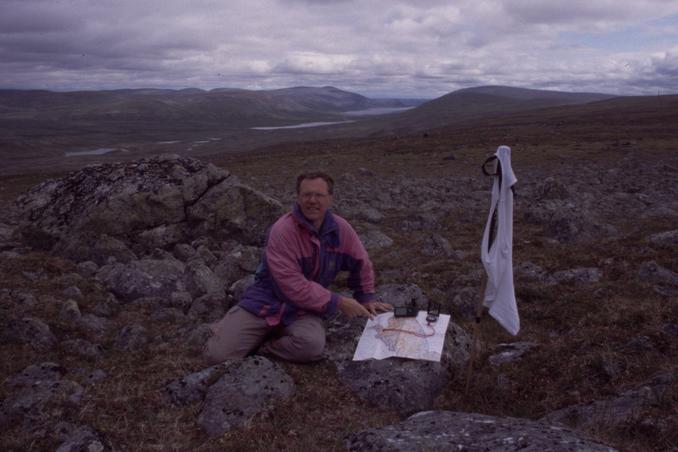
(498, 257)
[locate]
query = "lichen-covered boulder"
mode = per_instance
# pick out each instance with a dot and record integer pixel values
(450, 430)
(149, 203)
(247, 388)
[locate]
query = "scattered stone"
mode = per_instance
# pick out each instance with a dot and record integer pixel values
(550, 188)
(31, 331)
(183, 252)
(70, 311)
(143, 278)
(72, 292)
(193, 387)
(84, 439)
(200, 280)
(374, 239)
(665, 281)
(131, 337)
(510, 352)
(578, 275)
(87, 269)
(208, 308)
(83, 348)
(666, 239)
(40, 395)
(26, 300)
(35, 373)
(94, 326)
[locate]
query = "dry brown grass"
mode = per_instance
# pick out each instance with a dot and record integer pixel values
(580, 329)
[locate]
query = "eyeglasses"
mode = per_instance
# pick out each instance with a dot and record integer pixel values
(311, 194)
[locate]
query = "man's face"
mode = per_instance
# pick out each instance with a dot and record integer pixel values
(314, 200)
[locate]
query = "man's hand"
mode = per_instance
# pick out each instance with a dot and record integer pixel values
(376, 307)
(352, 308)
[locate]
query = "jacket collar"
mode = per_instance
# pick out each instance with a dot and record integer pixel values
(328, 226)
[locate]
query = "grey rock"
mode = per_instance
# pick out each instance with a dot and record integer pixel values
(228, 270)
(181, 300)
(402, 295)
(70, 311)
(95, 376)
(72, 292)
(163, 236)
(450, 430)
(665, 280)
(31, 405)
(464, 302)
(616, 411)
(246, 389)
(198, 335)
(101, 212)
(26, 300)
(183, 251)
(82, 348)
(550, 188)
(169, 315)
(510, 352)
(374, 239)
(35, 373)
(98, 248)
(436, 245)
(143, 278)
(231, 210)
(193, 387)
(400, 384)
(31, 331)
(95, 326)
(533, 272)
(666, 239)
(578, 275)
(87, 268)
(247, 258)
(200, 280)
(84, 439)
(369, 214)
(131, 337)
(208, 307)
(639, 344)
(207, 256)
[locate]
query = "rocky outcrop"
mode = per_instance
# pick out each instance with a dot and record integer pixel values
(450, 430)
(146, 204)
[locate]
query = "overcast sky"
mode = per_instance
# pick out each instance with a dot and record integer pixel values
(379, 48)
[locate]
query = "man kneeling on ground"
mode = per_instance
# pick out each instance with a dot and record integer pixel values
(280, 315)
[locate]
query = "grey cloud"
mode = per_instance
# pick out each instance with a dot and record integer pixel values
(422, 47)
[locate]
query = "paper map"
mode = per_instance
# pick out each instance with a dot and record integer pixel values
(405, 337)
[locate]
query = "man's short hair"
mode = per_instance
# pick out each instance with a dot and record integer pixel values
(317, 175)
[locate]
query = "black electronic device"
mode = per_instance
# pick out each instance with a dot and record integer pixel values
(409, 310)
(404, 311)
(432, 312)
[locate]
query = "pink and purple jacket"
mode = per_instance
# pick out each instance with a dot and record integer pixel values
(299, 264)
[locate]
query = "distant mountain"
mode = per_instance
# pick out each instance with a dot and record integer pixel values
(481, 101)
(230, 106)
